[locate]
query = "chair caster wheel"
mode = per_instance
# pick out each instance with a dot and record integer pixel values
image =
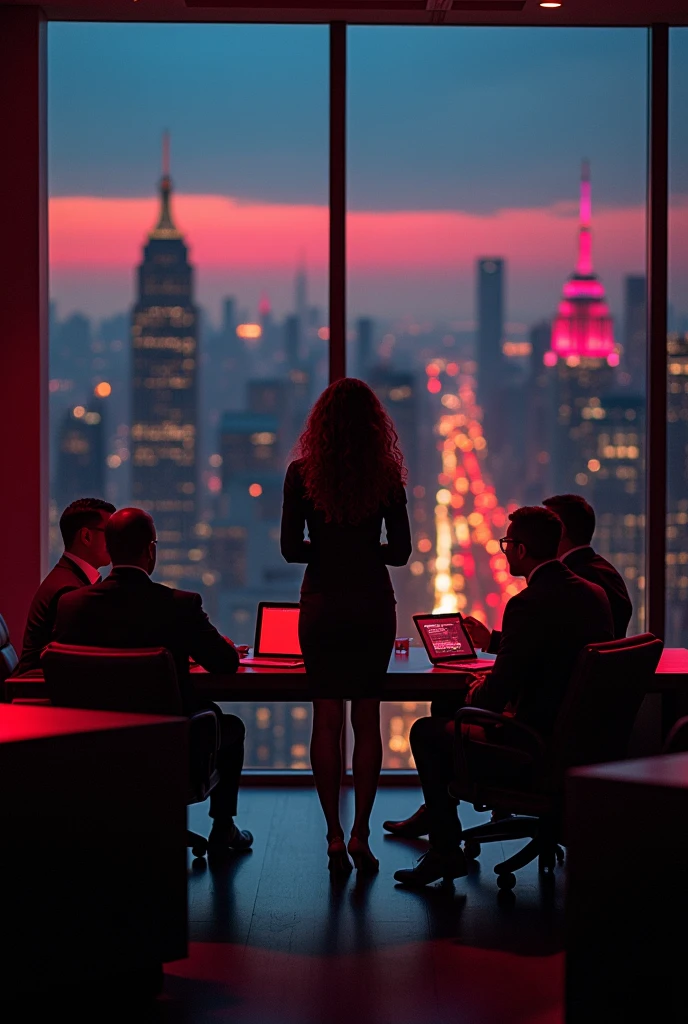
(471, 849)
(199, 850)
(506, 881)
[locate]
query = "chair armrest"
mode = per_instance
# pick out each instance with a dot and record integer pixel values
(513, 735)
(479, 716)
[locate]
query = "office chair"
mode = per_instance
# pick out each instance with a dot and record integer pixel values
(677, 740)
(509, 767)
(8, 656)
(142, 681)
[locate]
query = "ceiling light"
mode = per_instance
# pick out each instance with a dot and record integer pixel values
(550, 5)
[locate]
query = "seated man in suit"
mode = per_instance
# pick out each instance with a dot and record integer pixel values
(82, 525)
(544, 629)
(129, 610)
(576, 552)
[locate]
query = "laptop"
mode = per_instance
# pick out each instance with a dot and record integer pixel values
(277, 636)
(447, 642)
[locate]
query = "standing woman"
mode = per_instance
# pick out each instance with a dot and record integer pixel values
(347, 481)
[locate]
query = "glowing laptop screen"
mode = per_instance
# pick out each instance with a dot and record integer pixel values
(279, 632)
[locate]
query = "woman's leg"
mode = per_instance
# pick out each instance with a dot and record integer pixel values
(367, 760)
(326, 759)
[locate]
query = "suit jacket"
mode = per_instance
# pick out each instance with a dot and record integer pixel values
(62, 578)
(129, 610)
(543, 630)
(592, 567)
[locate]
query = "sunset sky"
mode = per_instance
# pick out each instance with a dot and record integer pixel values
(462, 143)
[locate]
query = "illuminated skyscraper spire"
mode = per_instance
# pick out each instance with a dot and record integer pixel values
(584, 265)
(583, 326)
(165, 227)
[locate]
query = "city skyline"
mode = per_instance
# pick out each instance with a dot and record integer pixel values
(443, 270)
(444, 166)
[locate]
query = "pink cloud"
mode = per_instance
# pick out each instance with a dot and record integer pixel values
(95, 243)
(90, 232)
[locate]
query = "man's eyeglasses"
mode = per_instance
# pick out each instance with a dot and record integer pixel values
(503, 541)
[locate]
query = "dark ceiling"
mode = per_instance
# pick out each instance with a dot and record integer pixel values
(412, 12)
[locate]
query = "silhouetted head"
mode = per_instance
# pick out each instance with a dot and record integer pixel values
(578, 517)
(351, 460)
(82, 525)
(533, 537)
(131, 539)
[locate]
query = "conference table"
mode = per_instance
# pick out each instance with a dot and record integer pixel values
(410, 677)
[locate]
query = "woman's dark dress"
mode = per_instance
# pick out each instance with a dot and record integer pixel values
(347, 622)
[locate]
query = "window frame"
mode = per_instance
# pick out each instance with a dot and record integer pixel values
(23, 267)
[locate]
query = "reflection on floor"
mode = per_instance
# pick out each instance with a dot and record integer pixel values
(273, 943)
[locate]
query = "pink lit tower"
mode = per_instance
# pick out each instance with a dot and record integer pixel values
(583, 328)
(594, 445)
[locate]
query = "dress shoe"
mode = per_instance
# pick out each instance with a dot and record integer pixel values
(410, 828)
(361, 855)
(431, 867)
(226, 836)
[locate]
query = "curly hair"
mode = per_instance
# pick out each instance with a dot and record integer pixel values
(349, 453)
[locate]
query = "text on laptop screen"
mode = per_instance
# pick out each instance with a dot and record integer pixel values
(279, 632)
(446, 638)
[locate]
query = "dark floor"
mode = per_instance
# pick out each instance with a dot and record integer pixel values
(273, 943)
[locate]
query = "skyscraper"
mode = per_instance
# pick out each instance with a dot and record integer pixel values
(164, 435)
(363, 358)
(597, 434)
(635, 331)
(400, 394)
(583, 326)
(490, 309)
(301, 308)
(80, 455)
(245, 537)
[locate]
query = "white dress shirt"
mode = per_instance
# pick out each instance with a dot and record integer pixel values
(92, 574)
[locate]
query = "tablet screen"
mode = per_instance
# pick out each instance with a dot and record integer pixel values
(444, 636)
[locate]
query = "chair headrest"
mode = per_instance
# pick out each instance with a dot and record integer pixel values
(624, 643)
(139, 655)
(4, 633)
(112, 678)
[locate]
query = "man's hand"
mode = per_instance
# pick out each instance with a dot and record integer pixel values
(241, 649)
(479, 634)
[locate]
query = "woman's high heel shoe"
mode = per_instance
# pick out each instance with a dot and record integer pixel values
(336, 852)
(363, 859)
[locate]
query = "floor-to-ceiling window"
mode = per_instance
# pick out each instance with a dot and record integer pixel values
(188, 175)
(496, 292)
(677, 347)
(496, 296)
